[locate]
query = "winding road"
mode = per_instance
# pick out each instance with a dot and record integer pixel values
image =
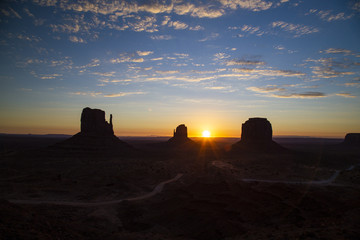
(157, 189)
(328, 181)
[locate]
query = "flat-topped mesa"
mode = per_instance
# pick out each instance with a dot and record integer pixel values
(352, 139)
(256, 137)
(256, 130)
(180, 135)
(93, 123)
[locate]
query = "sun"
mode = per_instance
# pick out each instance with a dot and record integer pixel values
(206, 133)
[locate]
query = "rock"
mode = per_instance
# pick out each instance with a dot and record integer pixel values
(95, 134)
(180, 135)
(93, 123)
(256, 130)
(256, 137)
(352, 139)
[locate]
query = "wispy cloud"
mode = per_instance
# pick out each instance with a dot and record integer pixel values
(297, 29)
(248, 30)
(244, 62)
(129, 58)
(266, 89)
(11, 13)
(345, 95)
(337, 51)
(220, 56)
(305, 95)
(196, 28)
(76, 39)
(269, 72)
(212, 36)
(168, 72)
(161, 37)
(92, 94)
(104, 74)
(157, 59)
(123, 94)
(328, 16)
(144, 53)
(253, 5)
(328, 72)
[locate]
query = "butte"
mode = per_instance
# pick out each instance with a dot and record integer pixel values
(256, 137)
(95, 133)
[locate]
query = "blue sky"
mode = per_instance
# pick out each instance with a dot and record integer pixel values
(157, 64)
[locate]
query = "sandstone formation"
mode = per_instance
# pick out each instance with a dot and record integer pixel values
(256, 130)
(95, 134)
(256, 136)
(180, 135)
(352, 139)
(93, 123)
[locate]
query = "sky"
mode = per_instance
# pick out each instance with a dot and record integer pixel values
(153, 65)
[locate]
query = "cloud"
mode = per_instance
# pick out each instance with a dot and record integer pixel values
(124, 58)
(144, 53)
(146, 24)
(104, 74)
(168, 72)
(181, 55)
(94, 63)
(217, 88)
(76, 39)
(157, 59)
(297, 29)
(328, 16)
(220, 56)
(337, 51)
(328, 72)
(211, 37)
(11, 13)
(30, 38)
(266, 89)
(352, 84)
(92, 94)
(29, 13)
(356, 6)
(244, 62)
(346, 95)
(122, 94)
(250, 30)
(305, 95)
(253, 5)
(196, 28)
(177, 25)
(269, 72)
(161, 37)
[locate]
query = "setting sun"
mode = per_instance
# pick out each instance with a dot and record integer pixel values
(206, 133)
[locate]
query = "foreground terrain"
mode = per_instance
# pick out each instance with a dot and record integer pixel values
(204, 191)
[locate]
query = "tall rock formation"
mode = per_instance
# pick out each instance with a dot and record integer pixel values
(256, 137)
(95, 133)
(180, 135)
(352, 139)
(93, 123)
(256, 130)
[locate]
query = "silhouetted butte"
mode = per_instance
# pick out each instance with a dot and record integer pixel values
(180, 135)
(96, 133)
(256, 136)
(352, 139)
